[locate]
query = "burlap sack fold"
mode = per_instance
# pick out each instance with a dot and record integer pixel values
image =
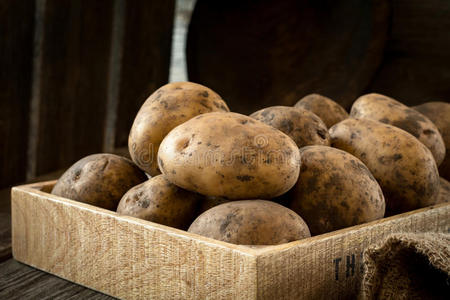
(408, 266)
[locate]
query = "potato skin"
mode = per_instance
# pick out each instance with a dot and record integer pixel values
(403, 166)
(166, 108)
(335, 190)
(329, 111)
(444, 191)
(157, 200)
(439, 114)
(301, 125)
(251, 222)
(230, 155)
(99, 179)
(389, 111)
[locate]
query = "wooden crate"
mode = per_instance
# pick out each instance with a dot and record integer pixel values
(132, 259)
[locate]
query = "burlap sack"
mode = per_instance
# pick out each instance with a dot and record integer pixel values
(408, 266)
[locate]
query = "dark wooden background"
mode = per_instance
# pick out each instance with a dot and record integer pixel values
(73, 74)
(261, 53)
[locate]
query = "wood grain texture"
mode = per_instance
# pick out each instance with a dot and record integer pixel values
(145, 61)
(18, 281)
(16, 55)
(133, 259)
(261, 53)
(416, 64)
(122, 256)
(73, 84)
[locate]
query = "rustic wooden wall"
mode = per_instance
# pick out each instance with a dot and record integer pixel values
(73, 74)
(16, 44)
(146, 58)
(416, 64)
(262, 53)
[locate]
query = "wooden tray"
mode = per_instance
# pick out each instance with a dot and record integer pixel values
(133, 259)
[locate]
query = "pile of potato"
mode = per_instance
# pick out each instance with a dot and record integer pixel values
(276, 176)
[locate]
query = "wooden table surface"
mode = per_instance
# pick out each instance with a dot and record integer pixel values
(19, 281)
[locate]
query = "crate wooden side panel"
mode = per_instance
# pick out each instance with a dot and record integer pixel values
(329, 266)
(125, 257)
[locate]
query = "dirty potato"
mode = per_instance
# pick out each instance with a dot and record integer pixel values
(251, 222)
(157, 200)
(335, 190)
(301, 125)
(403, 166)
(229, 155)
(169, 106)
(329, 111)
(439, 114)
(389, 111)
(99, 179)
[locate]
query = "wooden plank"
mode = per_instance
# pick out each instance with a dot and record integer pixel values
(416, 67)
(122, 256)
(145, 58)
(73, 84)
(262, 53)
(18, 281)
(16, 55)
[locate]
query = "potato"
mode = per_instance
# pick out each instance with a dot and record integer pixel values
(403, 166)
(389, 111)
(251, 222)
(99, 179)
(439, 114)
(329, 111)
(229, 155)
(168, 107)
(157, 200)
(444, 191)
(301, 125)
(335, 190)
